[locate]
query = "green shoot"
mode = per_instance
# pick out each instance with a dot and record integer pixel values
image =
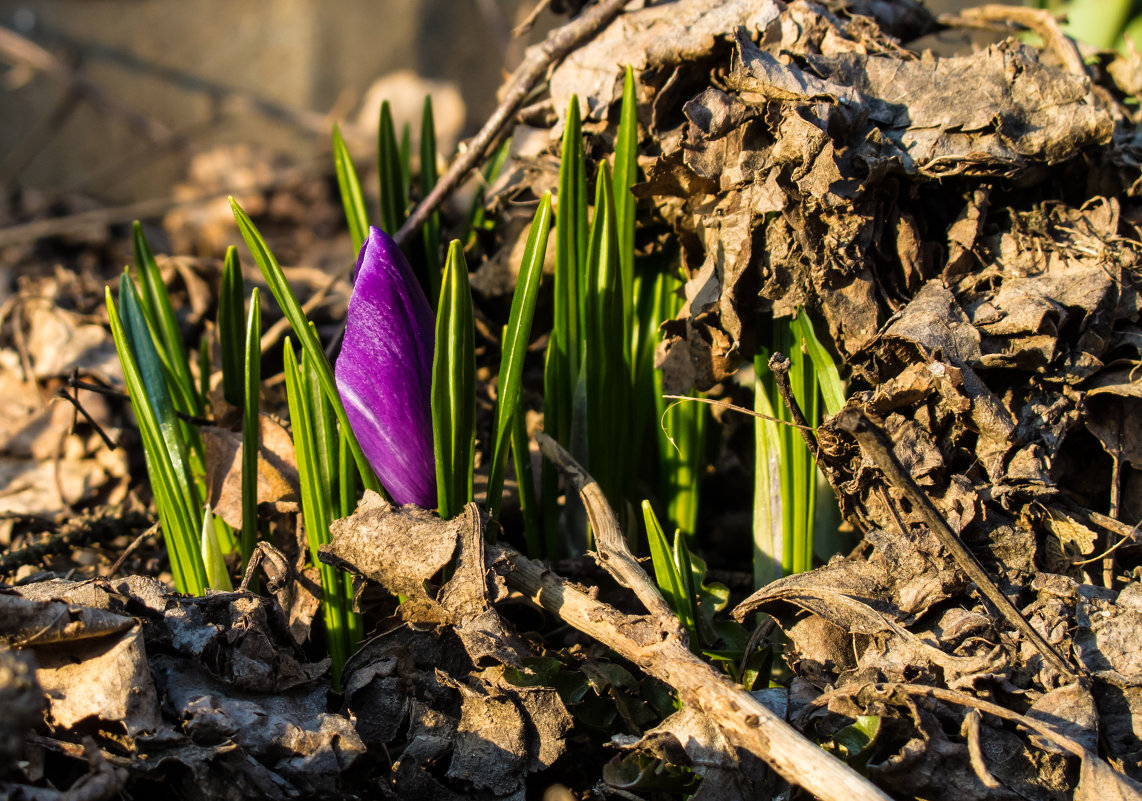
(430, 233)
(346, 476)
(571, 234)
(352, 199)
(604, 348)
(680, 427)
(521, 461)
(231, 336)
(316, 502)
(171, 483)
(217, 576)
(829, 378)
(251, 425)
(393, 192)
(768, 529)
(204, 366)
(785, 486)
(516, 337)
(672, 581)
(405, 151)
(626, 173)
(157, 307)
(454, 387)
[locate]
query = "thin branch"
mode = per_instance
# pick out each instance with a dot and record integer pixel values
(130, 549)
(657, 644)
(536, 62)
(733, 407)
(745, 721)
(1041, 21)
(779, 366)
(1108, 524)
(962, 699)
(75, 383)
(524, 28)
(614, 557)
(878, 447)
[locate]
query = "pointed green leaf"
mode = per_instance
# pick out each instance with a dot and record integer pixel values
(454, 387)
(768, 537)
(685, 568)
(605, 349)
(570, 254)
(158, 395)
(231, 334)
(251, 425)
(158, 305)
(315, 508)
(393, 192)
(671, 582)
(352, 199)
(178, 518)
(521, 461)
(832, 388)
(516, 336)
(405, 162)
(430, 233)
(217, 577)
(204, 363)
(346, 477)
(626, 173)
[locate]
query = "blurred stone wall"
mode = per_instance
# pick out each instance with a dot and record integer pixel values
(219, 71)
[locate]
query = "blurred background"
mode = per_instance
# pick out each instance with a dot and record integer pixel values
(112, 110)
(131, 90)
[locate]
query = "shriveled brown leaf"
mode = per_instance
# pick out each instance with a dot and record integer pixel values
(90, 662)
(399, 548)
(277, 468)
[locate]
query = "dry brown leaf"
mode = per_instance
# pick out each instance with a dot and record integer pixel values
(277, 468)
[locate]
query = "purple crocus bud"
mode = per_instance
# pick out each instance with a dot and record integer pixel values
(384, 372)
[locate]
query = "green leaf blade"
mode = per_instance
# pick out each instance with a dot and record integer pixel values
(454, 387)
(180, 531)
(217, 577)
(516, 337)
(157, 303)
(832, 388)
(393, 192)
(626, 173)
(231, 334)
(251, 425)
(352, 199)
(430, 233)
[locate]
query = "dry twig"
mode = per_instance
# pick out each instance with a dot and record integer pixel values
(654, 643)
(878, 447)
(1040, 21)
(535, 64)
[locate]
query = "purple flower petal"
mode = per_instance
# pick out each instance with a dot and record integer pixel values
(384, 372)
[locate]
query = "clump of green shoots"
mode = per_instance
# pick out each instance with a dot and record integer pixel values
(785, 475)
(601, 392)
(600, 386)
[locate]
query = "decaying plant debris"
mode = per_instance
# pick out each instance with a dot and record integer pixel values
(964, 228)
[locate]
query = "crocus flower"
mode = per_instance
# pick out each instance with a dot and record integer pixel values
(384, 372)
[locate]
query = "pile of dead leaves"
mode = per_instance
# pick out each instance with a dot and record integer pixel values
(965, 230)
